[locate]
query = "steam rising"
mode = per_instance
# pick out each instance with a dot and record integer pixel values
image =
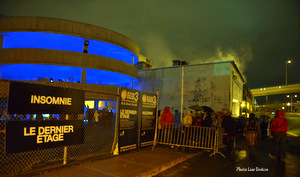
(258, 35)
(159, 47)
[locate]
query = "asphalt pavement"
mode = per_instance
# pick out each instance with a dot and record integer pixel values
(166, 161)
(144, 162)
(241, 164)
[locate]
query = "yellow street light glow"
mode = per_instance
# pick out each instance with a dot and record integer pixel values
(243, 104)
(286, 63)
(288, 104)
(282, 107)
(288, 96)
(235, 100)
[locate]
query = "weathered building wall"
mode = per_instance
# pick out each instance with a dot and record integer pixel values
(166, 80)
(205, 85)
(237, 91)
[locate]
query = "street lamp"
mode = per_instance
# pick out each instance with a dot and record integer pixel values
(286, 63)
(295, 96)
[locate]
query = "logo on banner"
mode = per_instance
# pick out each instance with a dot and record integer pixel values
(149, 99)
(129, 95)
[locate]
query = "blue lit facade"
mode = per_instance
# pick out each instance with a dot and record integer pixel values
(108, 58)
(52, 41)
(62, 73)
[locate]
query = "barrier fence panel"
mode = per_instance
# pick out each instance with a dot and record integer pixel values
(174, 134)
(98, 134)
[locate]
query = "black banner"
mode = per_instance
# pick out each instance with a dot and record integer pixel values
(22, 136)
(25, 98)
(148, 119)
(128, 112)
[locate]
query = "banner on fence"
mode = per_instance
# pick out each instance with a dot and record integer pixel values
(25, 98)
(128, 112)
(22, 136)
(148, 119)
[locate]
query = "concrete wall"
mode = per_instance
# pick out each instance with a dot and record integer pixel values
(206, 85)
(65, 58)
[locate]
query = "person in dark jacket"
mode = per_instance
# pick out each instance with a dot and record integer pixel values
(177, 117)
(229, 132)
(207, 120)
(264, 128)
(252, 134)
(279, 129)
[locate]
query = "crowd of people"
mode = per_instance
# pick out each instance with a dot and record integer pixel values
(94, 116)
(252, 128)
(205, 119)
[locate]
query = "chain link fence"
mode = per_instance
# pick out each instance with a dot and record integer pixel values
(99, 130)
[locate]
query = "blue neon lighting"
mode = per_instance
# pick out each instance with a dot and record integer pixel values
(63, 73)
(54, 41)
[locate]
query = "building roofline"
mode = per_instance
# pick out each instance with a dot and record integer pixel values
(230, 61)
(238, 71)
(170, 67)
(68, 27)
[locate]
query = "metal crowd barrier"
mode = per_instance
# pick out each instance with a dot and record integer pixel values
(174, 134)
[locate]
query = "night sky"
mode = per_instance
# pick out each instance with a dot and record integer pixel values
(260, 36)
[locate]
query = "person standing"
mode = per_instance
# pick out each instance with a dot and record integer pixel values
(252, 134)
(167, 122)
(264, 128)
(177, 126)
(279, 129)
(207, 120)
(229, 132)
(214, 117)
(187, 130)
(177, 117)
(167, 117)
(96, 116)
(159, 119)
(187, 120)
(198, 119)
(159, 128)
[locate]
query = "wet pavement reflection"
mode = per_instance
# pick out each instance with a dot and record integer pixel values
(241, 164)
